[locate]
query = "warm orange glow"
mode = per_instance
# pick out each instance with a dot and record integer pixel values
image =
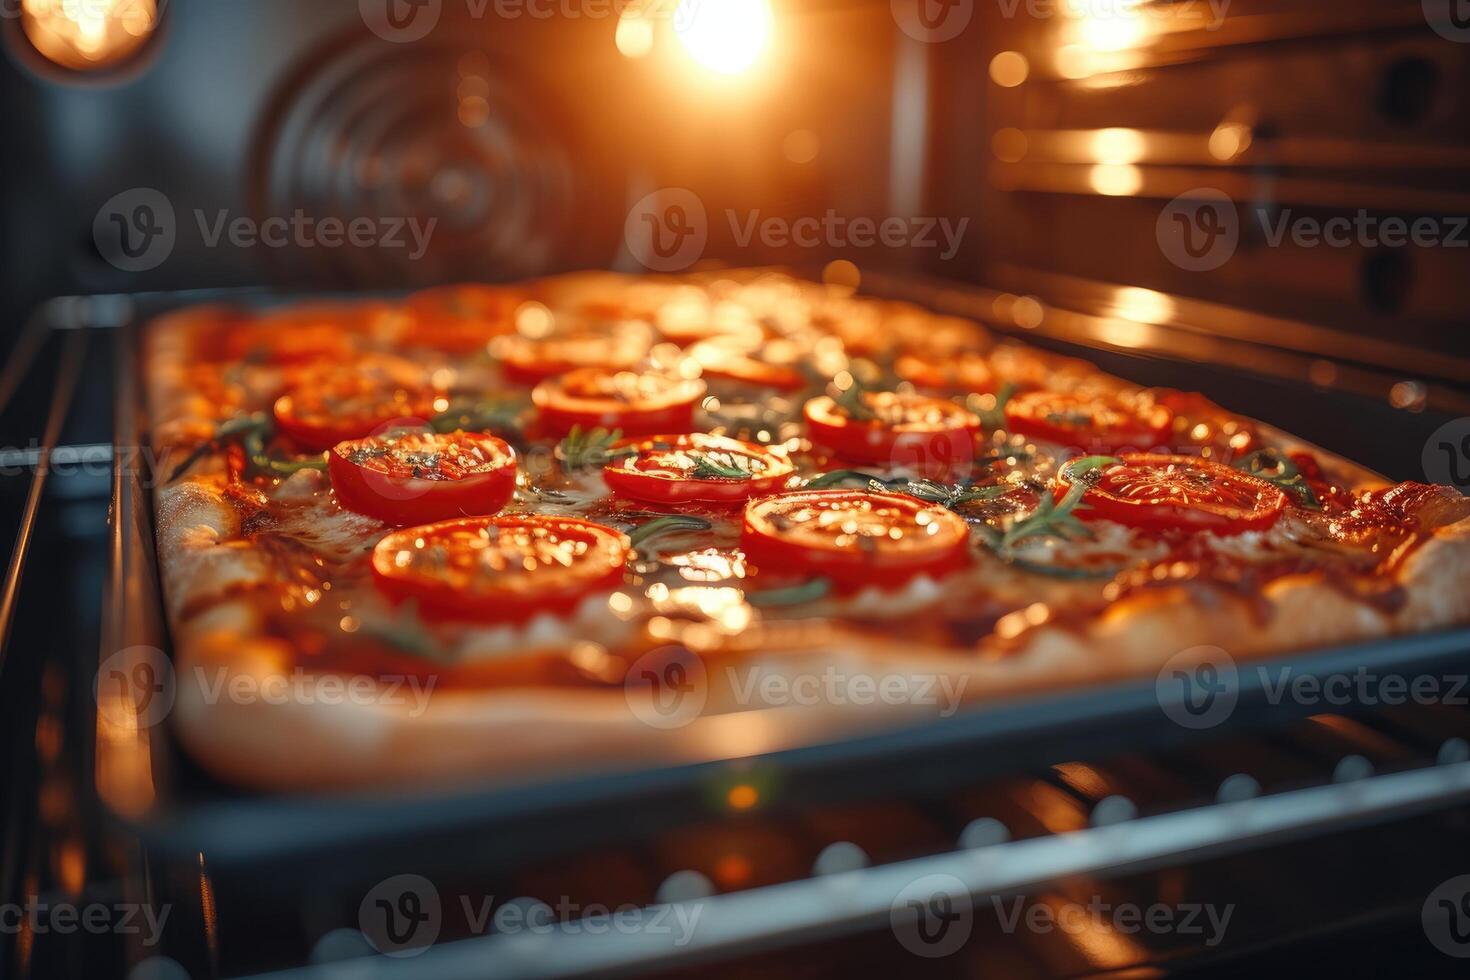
(1230, 140)
(87, 34)
(1115, 180)
(1009, 145)
(726, 36)
(1009, 69)
(742, 797)
(1144, 305)
(801, 146)
(634, 36)
(1117, 146)
(733, 870)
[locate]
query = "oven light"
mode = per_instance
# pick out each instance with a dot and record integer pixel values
(86, 35)
(726, 36)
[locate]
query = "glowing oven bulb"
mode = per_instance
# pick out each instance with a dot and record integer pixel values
(87, 34)
(727, 36)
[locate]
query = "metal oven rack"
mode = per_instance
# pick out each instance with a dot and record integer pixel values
(827, 854)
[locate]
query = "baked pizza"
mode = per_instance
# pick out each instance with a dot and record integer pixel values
(597, 520)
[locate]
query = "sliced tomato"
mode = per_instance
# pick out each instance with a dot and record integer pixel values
(617, 346)
(639, 403)
(334, 403)
(1199, 424)
(418, 476)
(459, 318)
(736, 360)
(854, 537)
(1185, 493)
(500, 569)
(1095, 422)
(962, 372)
(932, 435)
(696, 467)
(301, 334)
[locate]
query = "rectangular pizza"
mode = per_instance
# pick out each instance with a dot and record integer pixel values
(596, 521)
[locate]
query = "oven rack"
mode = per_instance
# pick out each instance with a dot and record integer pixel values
(842, 897)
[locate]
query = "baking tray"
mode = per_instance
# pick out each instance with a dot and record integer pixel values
(149, 789)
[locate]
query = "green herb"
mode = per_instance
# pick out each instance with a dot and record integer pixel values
(251, 432)
(810, 591)
(834, 478)
(994, 417)
(1053, 518)
(667, 524)
(1275, 467)
(852, 402)
(407, 632)
(493, 416)
(253, 442)
(994, 540)
(593, 448)
(950, 495)
(707, 468)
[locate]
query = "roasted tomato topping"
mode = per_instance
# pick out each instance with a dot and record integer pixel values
(638, 403)
(934, 436)
(770, 366)
(543, 349)
(1097, 422)
(853, 537)
(500, 569)
(962, 372)
(695, 467)
(460, 318)
(417, 477)
(1178, 493)
(337, 402)
(301, 335)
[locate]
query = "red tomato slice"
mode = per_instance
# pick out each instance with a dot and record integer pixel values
(417, 477)
(638, 403)
(338, 402)
(682, 468)
(963, 372)
(933, 435)
(854, 537)
(500, 569)
(735, 360)
(1160, 493)
(301, 334)
(460, 318)
(1097, 422)
(617, 346)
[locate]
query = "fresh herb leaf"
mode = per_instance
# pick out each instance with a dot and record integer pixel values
(593, 448)
(994, 540)
(249, 430)
(707, 468)
(851, 401)
(492, 416)
(667, 524)
(1057, 518)
(811, 591)
(1276, 467)
(994, 417)
(950, 495)
(835, 478)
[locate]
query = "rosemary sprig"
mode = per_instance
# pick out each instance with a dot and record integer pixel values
(993, 540)
(1276, 467)
(707, 468)
(833, 478)
(253, 442)
(1058, 518)
(950, 495)
(228, 431)
(994, 417)
(851, 401)
(251, 432)
(593, 448)
(667, 524)
(492, 416)
(809, 591)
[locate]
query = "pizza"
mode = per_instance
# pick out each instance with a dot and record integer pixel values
(495, 532)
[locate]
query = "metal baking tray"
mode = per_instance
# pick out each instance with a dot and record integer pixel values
(149, 788)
